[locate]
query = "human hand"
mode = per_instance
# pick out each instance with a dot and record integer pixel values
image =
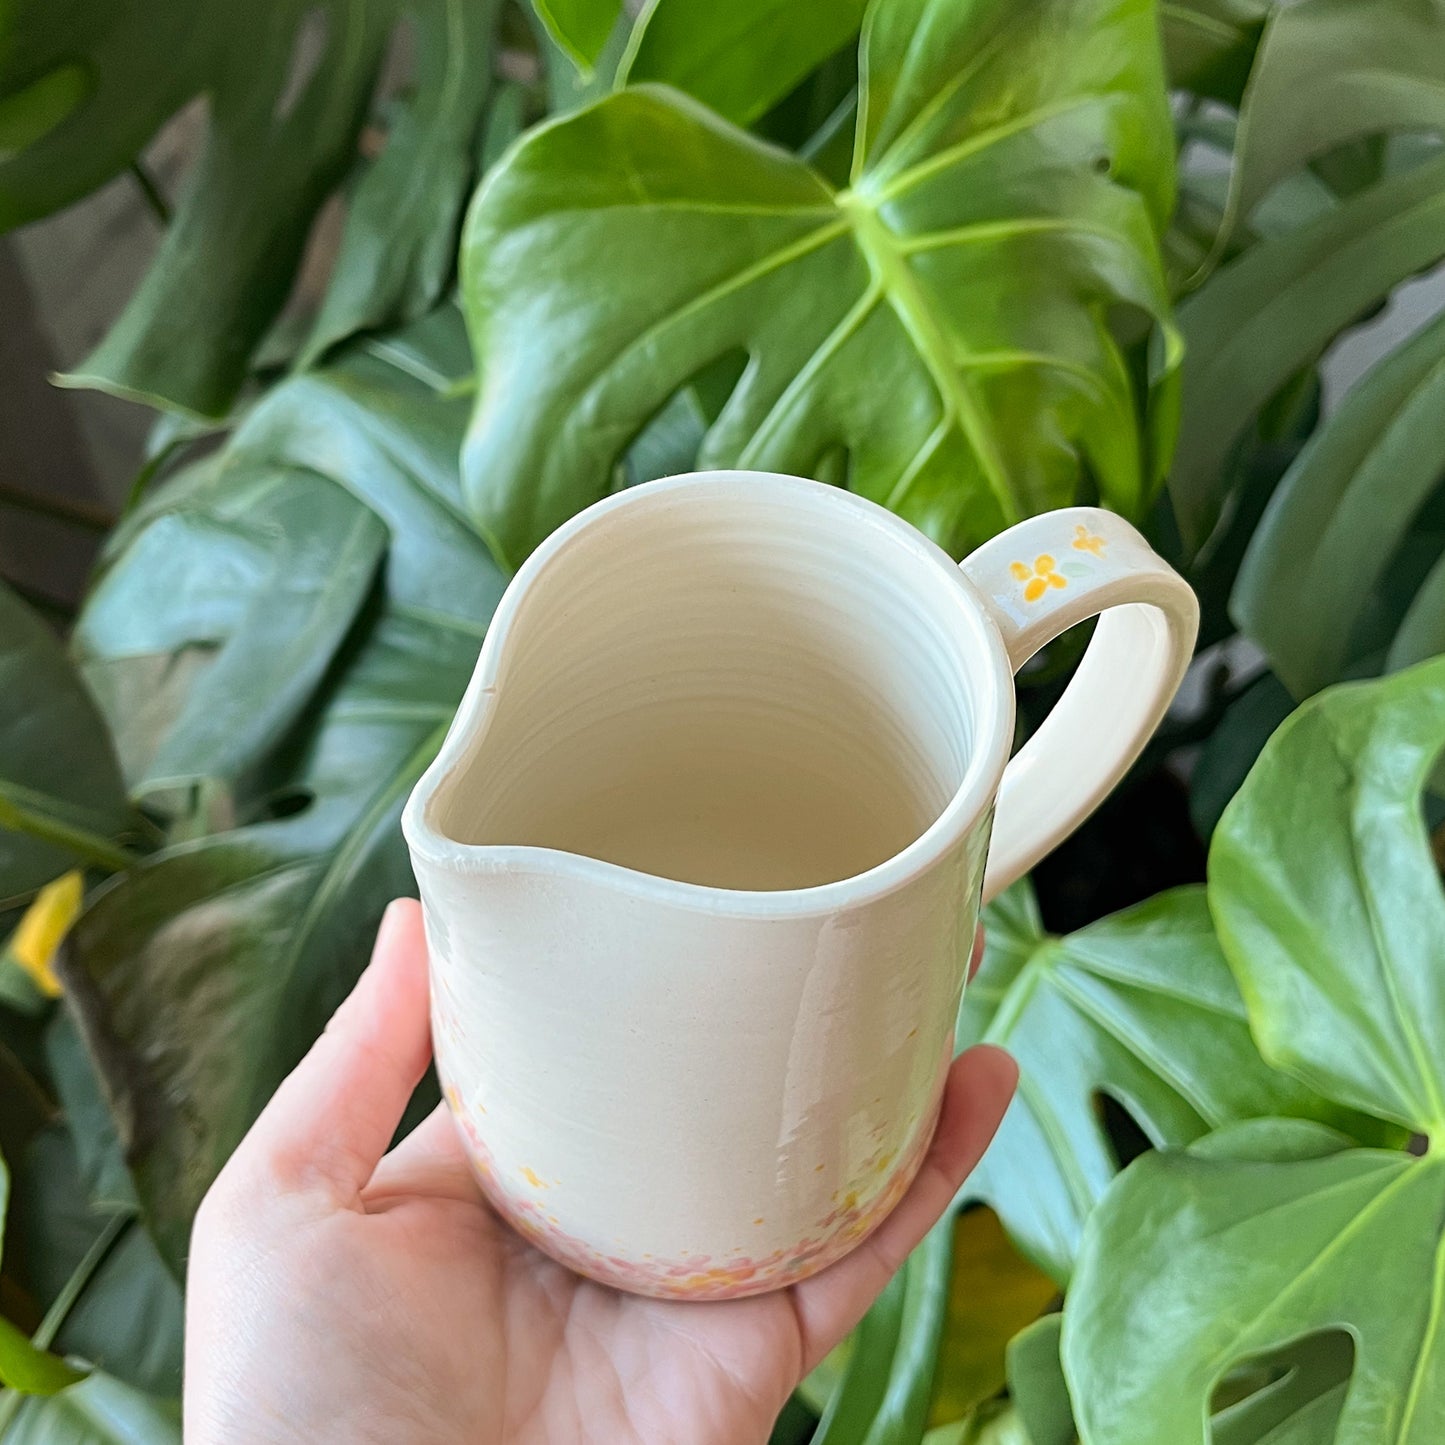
(338, 1292)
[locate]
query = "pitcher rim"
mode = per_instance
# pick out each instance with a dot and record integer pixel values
(966, 807)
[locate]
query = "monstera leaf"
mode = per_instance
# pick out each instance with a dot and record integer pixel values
(80, 1251)
(939, 332)
(1329, 906)
(288, 86)
(1328, 900)
(27, 1367)
(61, 796)
(262, 570)
(97, 1411)
(1271, 313)
(1036, 1383)
(398, 249)
(204, 973)
(1209, 44)
(1383, 68)
(1275, 309)
(738, 59)
(1310, 591)
(1139, 1008)
(885, 1387)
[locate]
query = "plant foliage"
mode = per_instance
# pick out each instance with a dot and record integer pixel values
(970, 258)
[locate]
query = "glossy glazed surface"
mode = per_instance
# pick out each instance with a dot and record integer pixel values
(702, 856)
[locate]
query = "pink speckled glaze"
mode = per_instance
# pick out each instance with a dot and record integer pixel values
(855, 1216)
(696, 1067)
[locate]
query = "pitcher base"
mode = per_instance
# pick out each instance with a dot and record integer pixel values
(703, 1277)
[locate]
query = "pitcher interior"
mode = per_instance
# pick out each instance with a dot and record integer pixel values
(735, 687)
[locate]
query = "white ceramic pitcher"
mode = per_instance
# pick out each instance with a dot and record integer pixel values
(702, 855)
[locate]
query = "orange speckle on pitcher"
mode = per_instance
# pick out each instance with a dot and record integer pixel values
(758, 1220)
(532, 1177)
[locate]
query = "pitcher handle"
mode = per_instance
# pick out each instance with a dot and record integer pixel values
(1038, 579)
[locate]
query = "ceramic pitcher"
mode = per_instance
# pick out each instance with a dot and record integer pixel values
(702, 855)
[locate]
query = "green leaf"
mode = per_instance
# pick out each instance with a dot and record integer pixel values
(1265, 452)
(859, 1392)
(884, 1393)
(124, 1313)
(78, 1256)
(398, 250)
(1139, 1007)
(1339, 517)
(285, 559)
(944, 322)
(1233, 747)
(795, 1424)
(738, 59)
(25, 1105)
(61, 796)
(288, 85)
(1382, 66)
(996, 1423)
(206, 973)
(25, 1367)
(1328, 902)
(98, 1411)
(580, 27)
(30, 112)
(230, 253)
(1270, 313)
(1318, 1420)
(1036, 1383)
(1300, 1400)
(1261, 1234)
(1421, 633)
(103, 1179)
(1329, 906)
(129, 1318)
(1209, 45)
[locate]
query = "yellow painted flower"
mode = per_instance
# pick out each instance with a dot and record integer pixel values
(44, 926)
(1039, 578)
(1087, 541)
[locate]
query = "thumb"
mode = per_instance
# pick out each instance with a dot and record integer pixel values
(330, 1122)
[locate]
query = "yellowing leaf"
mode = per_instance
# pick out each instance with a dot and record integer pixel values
(44, 926)
(993, 1293)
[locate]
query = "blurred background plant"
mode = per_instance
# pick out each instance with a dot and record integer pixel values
(972, 258)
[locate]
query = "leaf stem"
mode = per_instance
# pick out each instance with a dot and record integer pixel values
(95, 1256)
(64, 1302)
(92, 847)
